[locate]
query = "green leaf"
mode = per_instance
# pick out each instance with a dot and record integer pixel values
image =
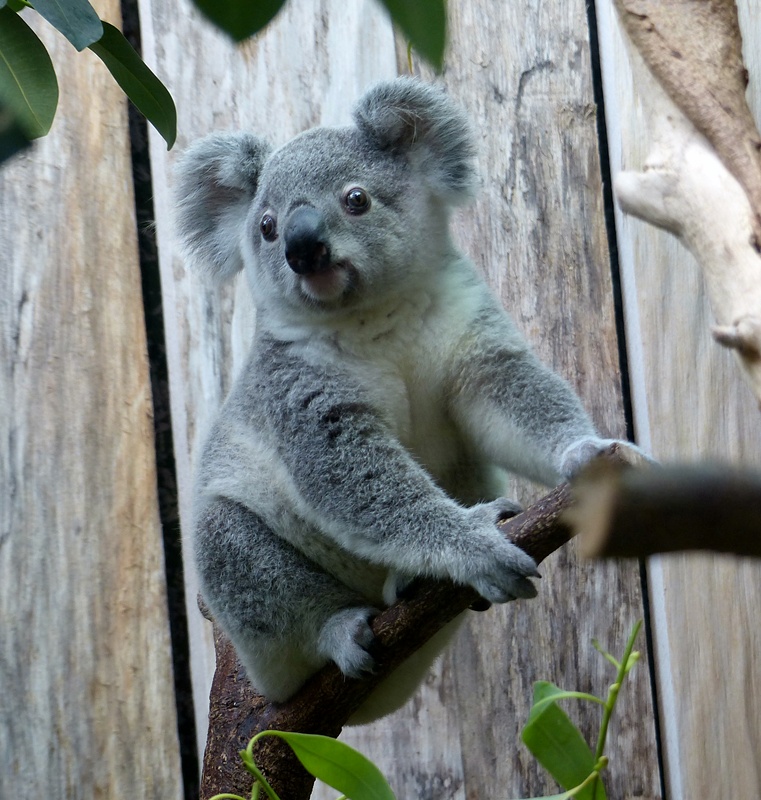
(240, 18)
(557, 744)
(338, 765)
(75, 19)
(424, 23)
(143, 88)
(28, 85)
(12, 137)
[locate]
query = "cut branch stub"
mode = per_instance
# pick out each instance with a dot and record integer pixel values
(630, 513)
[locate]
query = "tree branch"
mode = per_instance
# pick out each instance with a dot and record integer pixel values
(637, 513)
(328, 700)
(702, 181)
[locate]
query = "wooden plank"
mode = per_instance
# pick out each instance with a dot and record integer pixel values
(690, 404)
(537, 231)
(85, 662)
(308, 68)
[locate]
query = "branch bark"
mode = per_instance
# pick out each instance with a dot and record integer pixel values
(328, 700)
(636, 513)
(702, 182)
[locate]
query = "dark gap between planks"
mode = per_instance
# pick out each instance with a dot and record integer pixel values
(162, 425)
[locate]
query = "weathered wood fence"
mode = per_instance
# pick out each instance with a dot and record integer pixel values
(87, 696)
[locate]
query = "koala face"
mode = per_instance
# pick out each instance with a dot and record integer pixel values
(334, 223)
(338, 218)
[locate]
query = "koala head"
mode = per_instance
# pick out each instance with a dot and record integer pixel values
(337, 217)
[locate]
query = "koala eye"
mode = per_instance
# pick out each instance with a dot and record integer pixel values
(357, 200)
(268, 227)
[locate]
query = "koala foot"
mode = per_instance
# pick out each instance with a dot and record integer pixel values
(498, 570)
(346, 638)
(580, 453)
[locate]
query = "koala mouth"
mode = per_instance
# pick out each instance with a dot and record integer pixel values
(327, 285)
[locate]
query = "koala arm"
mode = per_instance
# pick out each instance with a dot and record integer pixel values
(518, 413)
(367, 492)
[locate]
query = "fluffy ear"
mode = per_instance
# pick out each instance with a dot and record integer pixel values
(407, 115)
(215, 181)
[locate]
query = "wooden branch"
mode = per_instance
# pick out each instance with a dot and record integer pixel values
(328, 700)
(702, 182)
(694, 49)
(637, 513)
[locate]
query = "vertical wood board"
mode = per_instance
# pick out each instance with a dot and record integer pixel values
(87, 708)
(690, 404)
(537, 232)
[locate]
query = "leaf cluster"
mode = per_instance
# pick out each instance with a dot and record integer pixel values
(558, 745)
(339, 766)
(28, 83)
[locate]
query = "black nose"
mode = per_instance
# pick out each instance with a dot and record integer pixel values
(306, 241)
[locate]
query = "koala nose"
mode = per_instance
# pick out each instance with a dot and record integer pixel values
(306, 247)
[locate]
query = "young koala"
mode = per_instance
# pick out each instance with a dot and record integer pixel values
(385, 391)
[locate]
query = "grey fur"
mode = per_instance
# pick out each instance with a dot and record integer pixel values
(362, 443)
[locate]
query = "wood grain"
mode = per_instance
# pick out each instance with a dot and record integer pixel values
(85, 663)
(537, 231)
(689, 404)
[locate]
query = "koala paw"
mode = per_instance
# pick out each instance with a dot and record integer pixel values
(580, 453)
(346, 638)
(499, 570)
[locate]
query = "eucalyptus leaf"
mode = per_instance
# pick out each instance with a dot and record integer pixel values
(338, 765)
(28, 85)
(424, 23)
(75, 19)
(558, 745)
(240, 18)
(143, 88)
(12, 137)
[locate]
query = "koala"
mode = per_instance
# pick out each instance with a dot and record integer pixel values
(386, 393)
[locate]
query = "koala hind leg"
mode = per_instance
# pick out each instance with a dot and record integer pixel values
(285, 616)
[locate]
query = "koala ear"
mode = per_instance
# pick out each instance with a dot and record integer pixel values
(409, 116)
(216, 179)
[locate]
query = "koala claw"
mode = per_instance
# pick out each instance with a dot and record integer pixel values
(346, 639)
(499, 570)
(517, 588)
